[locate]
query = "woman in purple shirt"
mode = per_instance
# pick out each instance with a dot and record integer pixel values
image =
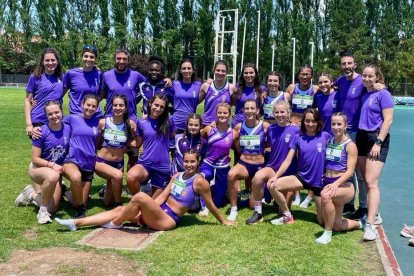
(48, 154)
(309, 146)
(373, 140)
(44, 84)
(326, 100)
(153, 133)
(162, 212)
(80, 162)
(82, 80)
(340, 161)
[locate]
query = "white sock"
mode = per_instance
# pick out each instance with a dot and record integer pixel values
(233, 209)
(287, 214)
(111, 225)
(305, 202)
(325, 238)
(297, 197)
(43, 208)
(69, 223)
(258, 206)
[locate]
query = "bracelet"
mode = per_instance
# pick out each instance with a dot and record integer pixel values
(29, 125)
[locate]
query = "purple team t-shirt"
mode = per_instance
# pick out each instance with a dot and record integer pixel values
(350, 93)
(247, 93)
(54, 145)
(82, 143)
(311, 156)
(279, 139)
(43, 88)
(371, 111)
(327, 105)
(81, 83)
(185, 96)
(155, 147)
(125, 83)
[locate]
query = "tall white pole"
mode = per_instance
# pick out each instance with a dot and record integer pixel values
(223, 18)
(216, 28)
(273, 54)
(312, 50)
(258, 40)
(244, 40)
(293, 59)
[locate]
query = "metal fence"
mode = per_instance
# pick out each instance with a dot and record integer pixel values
(402, 89)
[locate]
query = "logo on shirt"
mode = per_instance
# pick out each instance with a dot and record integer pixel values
(370, 101)
(95, 130)
(56, 153)
(319, 146)
(287, 137)
(129, 83)
(353, 91)
(194, 94)
(334, 103)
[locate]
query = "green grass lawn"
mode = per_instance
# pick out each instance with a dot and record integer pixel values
(198, 246)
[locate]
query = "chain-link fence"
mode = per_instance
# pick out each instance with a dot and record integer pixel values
(403, 89)
(18, 80)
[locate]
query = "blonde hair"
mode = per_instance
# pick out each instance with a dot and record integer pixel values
(282, 103)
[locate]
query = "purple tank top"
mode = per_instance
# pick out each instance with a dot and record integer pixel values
(54, 145)
(218, 147)
(302, 99)
(268, 103)
(182, 191)
(182, 144)
(114, 135)
(247, 93)
(213, 97)
(252, 140)
(336, 156)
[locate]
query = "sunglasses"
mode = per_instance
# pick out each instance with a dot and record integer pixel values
(90, 48)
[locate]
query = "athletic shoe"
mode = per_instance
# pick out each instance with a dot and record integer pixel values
(255, 218)
(411, 242)
(24, 197)
(407, 231)
(80, 213)
(102, 191)
(43, 217)
(283, 220)
(378, 219)
(204, 212)
(296, 202)
(361, 212)
(232, 216)
(348, 209)
(370, 232)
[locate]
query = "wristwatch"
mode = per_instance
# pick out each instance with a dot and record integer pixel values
(378, 142)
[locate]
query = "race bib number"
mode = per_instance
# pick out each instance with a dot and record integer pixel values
(302, 101)
(177, 187)
(250, 142)
(115, 137)
(333, 152)
(268, 110)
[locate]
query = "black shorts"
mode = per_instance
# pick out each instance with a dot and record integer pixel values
(316, 190)
(366, 139)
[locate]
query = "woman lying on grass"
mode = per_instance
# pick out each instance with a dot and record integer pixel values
(163, 212)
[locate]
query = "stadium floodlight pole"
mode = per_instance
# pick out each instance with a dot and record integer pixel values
(258, 40)
(312, 44)
(293, 59)
(244, 43)
(223, 18)
(273, 54)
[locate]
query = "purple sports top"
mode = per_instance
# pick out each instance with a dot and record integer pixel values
(246, 93)
(327, 105)
(147, 91)
(350, 93)
(371, 111)
(213, 97)
(155, 147)
(80, 83)
(279, 139)
(182, 190)
(125, 83)
(185, 101)
(218, 147)
(311, 156)
(302, 99)
(252, 140)
(268, 103)
(182, 144)
(82, 142)
(54, 145)
(336, 156)
(114, 135)
(43, 88)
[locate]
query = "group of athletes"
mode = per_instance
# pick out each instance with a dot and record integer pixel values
(313, 137)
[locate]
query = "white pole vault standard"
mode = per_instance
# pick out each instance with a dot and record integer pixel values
(244, 43)
(293, 59)
(258, 40)
(312, 50)
(223, 18)
(273, 55)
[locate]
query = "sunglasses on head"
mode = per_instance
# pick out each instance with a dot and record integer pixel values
(89, 47)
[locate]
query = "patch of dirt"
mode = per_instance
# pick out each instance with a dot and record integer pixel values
(30, 234)
(67, 261)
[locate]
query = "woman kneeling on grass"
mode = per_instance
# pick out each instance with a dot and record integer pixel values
(163, 212)
(340, 161)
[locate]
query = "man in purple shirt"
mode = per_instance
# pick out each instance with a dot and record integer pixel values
(350, 91)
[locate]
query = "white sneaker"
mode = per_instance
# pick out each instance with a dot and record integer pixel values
(232, 216)
(43, 217)
(296, 202)
(282, 220)
(204, 212)
(378, 219)
(370, 232)
(24, 197)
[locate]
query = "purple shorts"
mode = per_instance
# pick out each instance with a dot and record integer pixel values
(158, 179)
(329, 180)
(117, 165)
(251, 168)
(170, 212)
